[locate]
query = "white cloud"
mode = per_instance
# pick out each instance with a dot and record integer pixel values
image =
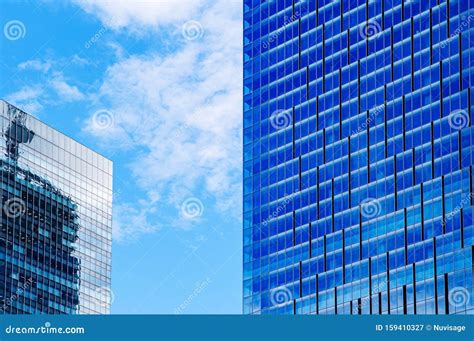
(77, 60)
(27, 99)
(131, 221)
(132, 15)
(53, 91)
(182, 109)
(64, 90)
(52, 87)
(35, 65)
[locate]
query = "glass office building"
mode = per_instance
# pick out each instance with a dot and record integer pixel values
(358, 157)
(55, 232)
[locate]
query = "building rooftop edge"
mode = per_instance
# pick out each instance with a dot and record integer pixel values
(49, 126)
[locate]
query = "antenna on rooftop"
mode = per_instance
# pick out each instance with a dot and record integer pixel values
(16, 133)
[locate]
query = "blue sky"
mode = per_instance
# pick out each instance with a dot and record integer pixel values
(156, 87)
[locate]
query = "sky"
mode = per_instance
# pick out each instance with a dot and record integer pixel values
(155, 86)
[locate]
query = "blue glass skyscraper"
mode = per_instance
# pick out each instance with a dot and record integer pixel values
(358, 157)
(56, 215)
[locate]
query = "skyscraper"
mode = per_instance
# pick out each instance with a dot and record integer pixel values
(358, 157)
(55, 232)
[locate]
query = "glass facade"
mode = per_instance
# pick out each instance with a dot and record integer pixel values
(358, 157)
(56, 221)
